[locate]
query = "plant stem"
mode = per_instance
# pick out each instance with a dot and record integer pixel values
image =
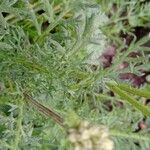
(47, 111)
(18, 128)
(129, 99)
(135, 136)
(134, 91)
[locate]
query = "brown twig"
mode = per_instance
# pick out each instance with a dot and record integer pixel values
(47, 111)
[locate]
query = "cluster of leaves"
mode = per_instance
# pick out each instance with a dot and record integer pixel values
(43, 51)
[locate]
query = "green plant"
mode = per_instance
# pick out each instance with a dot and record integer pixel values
(45, 51)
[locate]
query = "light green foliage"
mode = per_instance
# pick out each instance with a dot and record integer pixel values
(47, 55)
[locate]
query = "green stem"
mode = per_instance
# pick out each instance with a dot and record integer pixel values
(18, 128)
(129, 99)
(47, 111)
(134, 91)
(104, 97)
(135, 136)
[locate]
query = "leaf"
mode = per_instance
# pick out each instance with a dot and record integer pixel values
(2, 20)
(49, 10)
(33, 17)
(142, 41)
(8, 2)
(135, 91)
(5, 46)
(145, 110)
